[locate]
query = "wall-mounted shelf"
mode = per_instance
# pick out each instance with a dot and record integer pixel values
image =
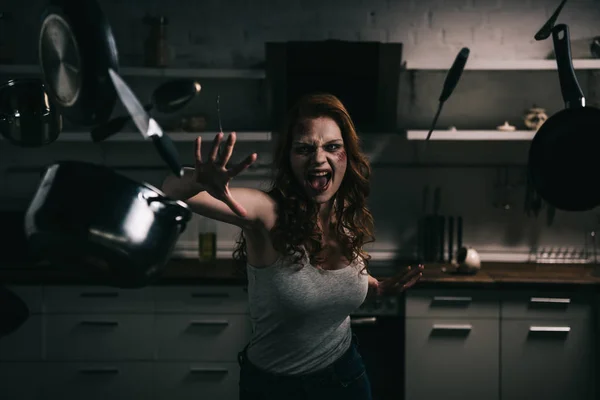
(502, 65)
(133, 137)
(156, 72)
(481, 135)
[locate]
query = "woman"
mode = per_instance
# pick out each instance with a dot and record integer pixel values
(301, 244)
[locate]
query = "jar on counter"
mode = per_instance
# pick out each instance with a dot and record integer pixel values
(156, 49)
(207, 239)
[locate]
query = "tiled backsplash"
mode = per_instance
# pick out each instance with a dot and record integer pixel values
(231, 34)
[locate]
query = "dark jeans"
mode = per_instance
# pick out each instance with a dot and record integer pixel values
(345, 379)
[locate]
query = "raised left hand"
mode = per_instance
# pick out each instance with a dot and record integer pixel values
(400, 282)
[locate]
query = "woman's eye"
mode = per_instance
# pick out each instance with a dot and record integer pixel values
(333, 147)
(302, 150)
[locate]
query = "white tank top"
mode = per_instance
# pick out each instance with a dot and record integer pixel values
(301, 318)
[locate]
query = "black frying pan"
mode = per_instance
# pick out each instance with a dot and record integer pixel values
(76, 48)
(563, 157)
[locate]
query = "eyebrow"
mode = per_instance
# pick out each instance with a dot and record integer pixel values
(310, 144)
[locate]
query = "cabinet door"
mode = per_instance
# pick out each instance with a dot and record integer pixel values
(21, 381)
(547, 359)
(452, 359)
(196, 380)
(98, 381)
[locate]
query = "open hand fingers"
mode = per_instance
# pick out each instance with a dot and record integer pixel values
(197, 150)
(226, 155)
(215, 147)
(238, 168)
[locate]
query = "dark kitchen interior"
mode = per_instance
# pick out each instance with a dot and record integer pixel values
(508, 306)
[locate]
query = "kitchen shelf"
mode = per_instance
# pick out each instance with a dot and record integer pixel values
(503, 65)
(482, 135)
(132, 137)
(156, 72)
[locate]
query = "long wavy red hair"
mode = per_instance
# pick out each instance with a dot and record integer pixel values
(296, 232)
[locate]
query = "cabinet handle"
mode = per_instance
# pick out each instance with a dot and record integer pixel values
(209, 295)
(200, 370)
(453, 299)
(99, 294)
(452, 327)
(548, 329)
(214, 322)
(99, 323)
(99, 371)
(363, 321)
(550, 300)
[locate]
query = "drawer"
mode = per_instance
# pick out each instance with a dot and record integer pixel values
(25, 343)
(99, 337)
(544, 304)
(201, 299)
(183, 381)
(202, 337)
(101, 381)
(21, 380)
(31, 295)
(97, 299)
(446, 351)
(452, 303)
(548, 359)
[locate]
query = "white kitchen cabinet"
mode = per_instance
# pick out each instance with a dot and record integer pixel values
(101, 381)
(93, 342)
(548, 346)
(547, 359)
(201, 337)
(507, 345)
(21, 380)
(452, 358)
(196, 380)
(99, 337)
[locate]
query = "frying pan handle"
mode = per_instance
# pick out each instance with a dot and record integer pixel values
(570, 89)
(181, 220)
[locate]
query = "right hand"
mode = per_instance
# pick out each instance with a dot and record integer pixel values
(213, 174)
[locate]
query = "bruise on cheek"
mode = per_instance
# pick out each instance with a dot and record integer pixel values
(341, 156)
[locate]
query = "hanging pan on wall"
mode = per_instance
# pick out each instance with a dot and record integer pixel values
(76, 48)
(563, 157)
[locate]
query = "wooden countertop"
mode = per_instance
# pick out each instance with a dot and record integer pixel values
(223, 271)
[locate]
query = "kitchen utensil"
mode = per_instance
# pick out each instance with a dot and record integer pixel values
(27, 117)
(563, 160)
(423, 227)
(13, 312)
(147, 126)
(76, 48)
(450, 83)
(459, 232)
(167, 98)
(595, 47)
(546, 30)
(88, 217)
(219, 113)
(450, 239)
(468, 260)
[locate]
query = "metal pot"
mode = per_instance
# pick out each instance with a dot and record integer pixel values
(87, 216)
(27, 117)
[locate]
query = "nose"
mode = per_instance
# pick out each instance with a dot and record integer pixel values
(319, 156)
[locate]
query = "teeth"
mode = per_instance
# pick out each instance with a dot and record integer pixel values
(323, 173)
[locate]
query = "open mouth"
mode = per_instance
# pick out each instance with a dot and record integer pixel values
(319, 181)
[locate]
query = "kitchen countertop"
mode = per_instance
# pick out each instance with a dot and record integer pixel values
(223, 271)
